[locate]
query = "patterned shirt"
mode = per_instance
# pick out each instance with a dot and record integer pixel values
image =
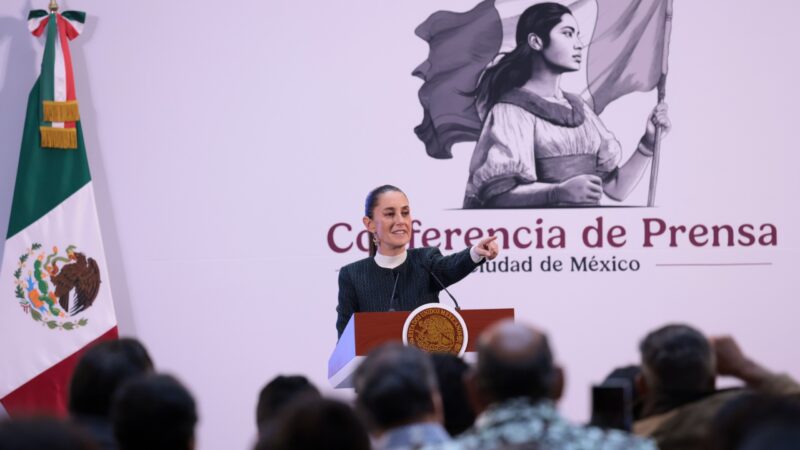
(412, 437)
(519, 421)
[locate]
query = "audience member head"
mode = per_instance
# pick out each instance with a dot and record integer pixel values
(279, 393)
(315, 423)
(154, 412)
(757, 421)
(450, 373)
(101, 370)
(515, 361)
(396, 385)
(677, 363)
(43, 433)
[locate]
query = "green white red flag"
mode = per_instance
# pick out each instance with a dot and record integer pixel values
(55, 298)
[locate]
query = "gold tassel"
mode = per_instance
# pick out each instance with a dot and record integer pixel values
(61, 111)
(65, 138)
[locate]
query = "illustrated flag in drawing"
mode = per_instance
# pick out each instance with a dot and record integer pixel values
(625, 54)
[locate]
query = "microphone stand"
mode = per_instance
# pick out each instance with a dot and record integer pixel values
(394, 288)
(458, 308)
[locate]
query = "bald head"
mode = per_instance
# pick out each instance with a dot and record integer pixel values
(511, 341)
(515, 360)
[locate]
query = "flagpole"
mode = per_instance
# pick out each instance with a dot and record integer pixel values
(662, 93)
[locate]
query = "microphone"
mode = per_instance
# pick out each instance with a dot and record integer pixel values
(394, 288)
(458, 308)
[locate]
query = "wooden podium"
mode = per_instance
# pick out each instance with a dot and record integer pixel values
(368, 330)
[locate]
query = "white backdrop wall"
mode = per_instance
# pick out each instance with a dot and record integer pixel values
(225, 139)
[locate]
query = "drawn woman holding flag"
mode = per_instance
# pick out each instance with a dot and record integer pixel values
(540, 146)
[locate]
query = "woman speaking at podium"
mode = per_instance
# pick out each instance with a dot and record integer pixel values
(394, 278)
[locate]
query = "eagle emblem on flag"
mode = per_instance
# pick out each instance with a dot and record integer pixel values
(54, 287)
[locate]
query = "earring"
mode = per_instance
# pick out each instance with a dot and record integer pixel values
(375, 238)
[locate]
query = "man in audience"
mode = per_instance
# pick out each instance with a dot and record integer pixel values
(98, 374)
(154, 412)
(313, 423)
(397, 391)
(677, 384)
(754, 421)
(277, 395)
(450, 372)
(517, 383)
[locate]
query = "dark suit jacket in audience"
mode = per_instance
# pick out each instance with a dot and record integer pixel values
(687, 427)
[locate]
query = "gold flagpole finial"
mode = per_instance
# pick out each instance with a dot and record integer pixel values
(53, 6)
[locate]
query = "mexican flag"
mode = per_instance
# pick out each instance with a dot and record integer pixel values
(55, 299)
(626, 53)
